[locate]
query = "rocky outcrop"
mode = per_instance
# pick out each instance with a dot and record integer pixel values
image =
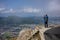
(29, 34)
(39, 33)
(52, 34)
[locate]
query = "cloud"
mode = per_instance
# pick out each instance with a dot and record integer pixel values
(54, 5)
(23, 10)
(31, 10)
(1, 9)
(8, 11)
(53, 8)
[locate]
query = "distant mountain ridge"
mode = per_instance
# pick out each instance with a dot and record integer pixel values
(26, 20)
(19, 20)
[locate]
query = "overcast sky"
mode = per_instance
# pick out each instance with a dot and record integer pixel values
(30, 7)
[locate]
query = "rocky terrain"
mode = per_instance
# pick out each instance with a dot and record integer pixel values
(40, 33)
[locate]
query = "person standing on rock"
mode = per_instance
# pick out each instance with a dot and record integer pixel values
(46, 21)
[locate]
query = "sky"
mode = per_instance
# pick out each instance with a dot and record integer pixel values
(30, 7)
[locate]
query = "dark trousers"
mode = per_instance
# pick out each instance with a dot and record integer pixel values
(46, 24)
